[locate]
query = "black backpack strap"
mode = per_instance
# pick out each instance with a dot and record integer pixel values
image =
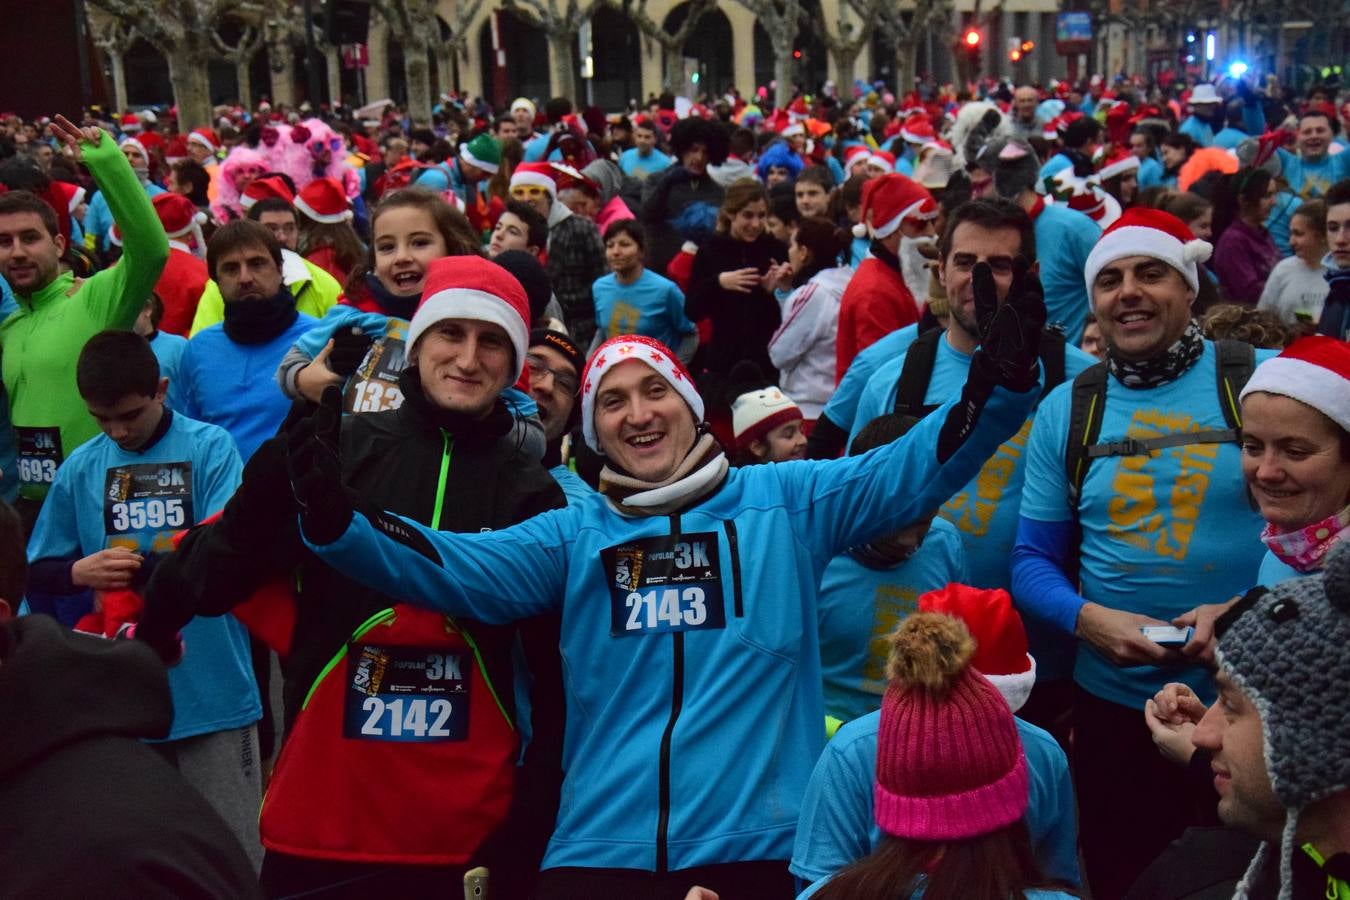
(1234, 363)
(915, 375)
(1086, 405)
(1052, 359)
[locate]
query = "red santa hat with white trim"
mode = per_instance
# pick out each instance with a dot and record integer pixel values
(1313, 370)
(263, 188)
(323, 200)
(1149, 232)
(135, 143)
(470, 287)
(1001, 652)
(755, 413)
(206, 138)
(633, 348)
(1118, 163)
(856, 154)
(130, 123)
(539, 174)
(917, 130)
(891, 199)
(179, 217)
(883, 160)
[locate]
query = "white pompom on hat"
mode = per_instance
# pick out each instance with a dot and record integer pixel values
(1153, 233)
(1313, 370)
(755, 413)
(470, 287)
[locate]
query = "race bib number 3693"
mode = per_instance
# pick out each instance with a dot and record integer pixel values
(664, 584)
(407, 694)
(148, 497)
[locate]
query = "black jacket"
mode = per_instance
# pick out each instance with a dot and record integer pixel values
(86, 809)
(1208, 863)
(742, 323)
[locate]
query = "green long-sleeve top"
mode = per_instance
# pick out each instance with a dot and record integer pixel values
(41, 342)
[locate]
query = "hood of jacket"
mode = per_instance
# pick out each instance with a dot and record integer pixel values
(557, 213)
(607, 175)
(58, 686)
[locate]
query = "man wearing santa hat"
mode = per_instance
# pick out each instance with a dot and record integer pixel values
(877, 301)
(1128, 519)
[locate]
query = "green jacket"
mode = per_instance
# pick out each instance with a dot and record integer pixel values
(41, 342)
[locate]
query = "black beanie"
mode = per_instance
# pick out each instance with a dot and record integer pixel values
(562, 343)
(532, 277)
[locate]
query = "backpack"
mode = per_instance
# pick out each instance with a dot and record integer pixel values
(1234, 364)
(917, 371)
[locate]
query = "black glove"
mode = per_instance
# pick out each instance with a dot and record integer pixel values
(313, 463)
(1010, 332)
(350, 347)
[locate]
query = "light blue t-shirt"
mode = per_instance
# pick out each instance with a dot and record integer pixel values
(1161, 533)
(98, 217)
(1307, 181)
(168, 349)
(1064, 238)
(858, 607)
(104, 496)
(1229, 138)
(234, 385)
(1150, 172)
(986, 510)
(843, 406)
(837, 825)
(652, 306)
(634, 164)
(1196, 130)
(573, 487)
(1274, 570)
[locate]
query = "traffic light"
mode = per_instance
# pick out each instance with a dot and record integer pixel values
(971, 39)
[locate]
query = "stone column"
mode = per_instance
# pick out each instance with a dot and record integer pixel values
(377, 73)
(743, 40)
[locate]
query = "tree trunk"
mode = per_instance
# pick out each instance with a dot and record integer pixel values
(673, 62)
(119, 79)
(333, 57)
(417, 72)
(905, 52)
(243, 83)
(562, 45)
(191, 94)
(845, 61)
(782, 73)
(281, 64)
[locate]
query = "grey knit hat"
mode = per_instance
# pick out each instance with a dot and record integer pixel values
(1012, 162)
(1285, 647)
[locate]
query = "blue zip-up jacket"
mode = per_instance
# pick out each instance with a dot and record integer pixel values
(690, 655)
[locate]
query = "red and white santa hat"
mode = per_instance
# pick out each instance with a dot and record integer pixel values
(130, 123)
(1118, 163)
(135, 143)
(856, 154)
(73, 194)
(175, 151)
(891, 199)
(206, 138)
(262, 188)
(1313, 370)
(1001, 653)
(917, 130)
(883, 160)
(539, 174)
(755, 413)
(179, 217)
(324, 201)
(470, 287)
(1149, 232)
(633, 348)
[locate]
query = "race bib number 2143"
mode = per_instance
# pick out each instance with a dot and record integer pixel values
(664, 584)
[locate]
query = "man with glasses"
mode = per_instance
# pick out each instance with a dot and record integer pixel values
(554, 365)
(576, 254)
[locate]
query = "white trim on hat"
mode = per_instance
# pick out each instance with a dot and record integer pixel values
(489, 167)
(881, 162)
(1015, 687)
(1129, 163)
(470, 303)
(538, 179)
(76, 199)
(331, 219)
(1143, 240)
(1310, 384)
(909, 212)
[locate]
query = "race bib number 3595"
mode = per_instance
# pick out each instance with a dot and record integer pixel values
(148, 497)
(664, 584)
(407, 694)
